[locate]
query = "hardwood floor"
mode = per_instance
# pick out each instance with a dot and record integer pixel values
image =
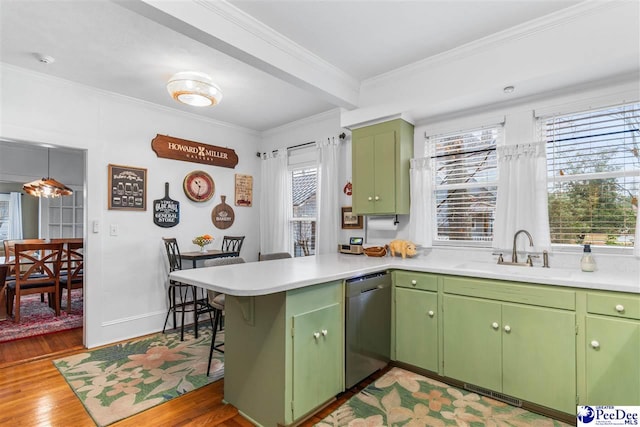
(33, 393)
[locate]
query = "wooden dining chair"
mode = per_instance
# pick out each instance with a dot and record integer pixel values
(9, 249)
(37, 268)
(72, 272)
(232, 244)
(216, 303)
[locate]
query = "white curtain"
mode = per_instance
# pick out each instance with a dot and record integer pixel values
(275, 203)
(421, 216)
(522, 197)
(328, 190)
(636, 243)
(15, 216)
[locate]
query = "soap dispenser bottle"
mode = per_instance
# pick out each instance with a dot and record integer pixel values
(587, 263)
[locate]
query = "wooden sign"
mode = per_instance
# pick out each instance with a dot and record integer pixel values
(169, 147)
(127, 188)
(166, 211)
(244, 190)
(222, 215)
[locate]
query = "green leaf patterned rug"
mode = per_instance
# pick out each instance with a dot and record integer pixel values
(119, 381)
(402, 398)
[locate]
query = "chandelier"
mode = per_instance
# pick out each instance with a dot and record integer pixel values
(193, 88)
(47, 187)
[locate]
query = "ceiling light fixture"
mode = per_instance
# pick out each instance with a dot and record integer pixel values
(47, 187)
(193, 88)
(508, 89)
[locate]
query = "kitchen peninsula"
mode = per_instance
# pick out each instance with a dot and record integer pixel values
(284, 340)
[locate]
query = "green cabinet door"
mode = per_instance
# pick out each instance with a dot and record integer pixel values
(417, 328)
(538, 355)
(362, 170)
(473, 341)
(380, 167)
(317, 359)
(612, 361)
(384, 195)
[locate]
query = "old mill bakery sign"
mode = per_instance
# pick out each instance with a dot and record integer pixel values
(180, 149)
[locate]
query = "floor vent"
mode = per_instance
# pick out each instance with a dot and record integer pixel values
(493, 394)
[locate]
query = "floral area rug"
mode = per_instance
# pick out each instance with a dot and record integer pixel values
(402, 398)
(37, 318)
(119, 381)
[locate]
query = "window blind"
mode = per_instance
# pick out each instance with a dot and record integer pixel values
(593, 165)
(465, 183)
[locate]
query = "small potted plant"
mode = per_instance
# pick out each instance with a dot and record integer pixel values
(203, 241)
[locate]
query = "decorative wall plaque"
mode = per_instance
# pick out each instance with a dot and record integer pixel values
(244, 190)
(166, 211)
(127, 188)
(169, 147)
(222, 215)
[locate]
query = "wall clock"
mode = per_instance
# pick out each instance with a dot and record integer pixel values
(199, 186)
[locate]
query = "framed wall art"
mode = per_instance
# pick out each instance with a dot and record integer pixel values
(127, 188)
(244, 190)
(349, 219)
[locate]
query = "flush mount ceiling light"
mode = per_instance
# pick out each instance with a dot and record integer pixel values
(193, 88)
(47, 187)
(508, 89)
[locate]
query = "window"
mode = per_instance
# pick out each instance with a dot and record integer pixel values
(4, 217)
(465, 184)
(303, 220)
(593, 165)
(304, 183)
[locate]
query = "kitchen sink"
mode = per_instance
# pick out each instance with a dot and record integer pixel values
(515, 270)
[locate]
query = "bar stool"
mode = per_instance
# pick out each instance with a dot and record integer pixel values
(178, 293)
(216, 303)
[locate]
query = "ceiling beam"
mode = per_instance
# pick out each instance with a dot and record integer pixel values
(223, 27)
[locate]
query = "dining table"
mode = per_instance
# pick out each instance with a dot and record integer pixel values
(196, 256)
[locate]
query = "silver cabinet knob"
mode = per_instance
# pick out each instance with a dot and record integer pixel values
(324, 332)
(495, 325)
(431, 313)
(619, 308)
(507, 328)
(316, 335)
(595, 344)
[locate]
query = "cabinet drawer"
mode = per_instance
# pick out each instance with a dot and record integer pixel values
(543, 296)
(611, 304)
(407, 279)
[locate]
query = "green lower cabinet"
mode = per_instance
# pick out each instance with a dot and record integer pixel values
(612, 361)
(317, 362)
(416, 324)
(523, 351)
(539, 355)
(473, 341)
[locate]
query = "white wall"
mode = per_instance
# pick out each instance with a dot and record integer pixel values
(125, 290)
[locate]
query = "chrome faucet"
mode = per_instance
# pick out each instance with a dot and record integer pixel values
(514, 254)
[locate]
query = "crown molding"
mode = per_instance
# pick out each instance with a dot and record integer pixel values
(334, 113)
(495, 40)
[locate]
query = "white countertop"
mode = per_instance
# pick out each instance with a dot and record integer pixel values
(267, 277)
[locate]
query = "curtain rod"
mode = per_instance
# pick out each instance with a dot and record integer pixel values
(9, 192)
(304, 144)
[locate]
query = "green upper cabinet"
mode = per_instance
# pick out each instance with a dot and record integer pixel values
(380, 156)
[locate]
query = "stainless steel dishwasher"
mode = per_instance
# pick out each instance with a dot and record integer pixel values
(368, 326)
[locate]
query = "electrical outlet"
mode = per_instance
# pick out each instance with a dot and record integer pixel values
(113, 230)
